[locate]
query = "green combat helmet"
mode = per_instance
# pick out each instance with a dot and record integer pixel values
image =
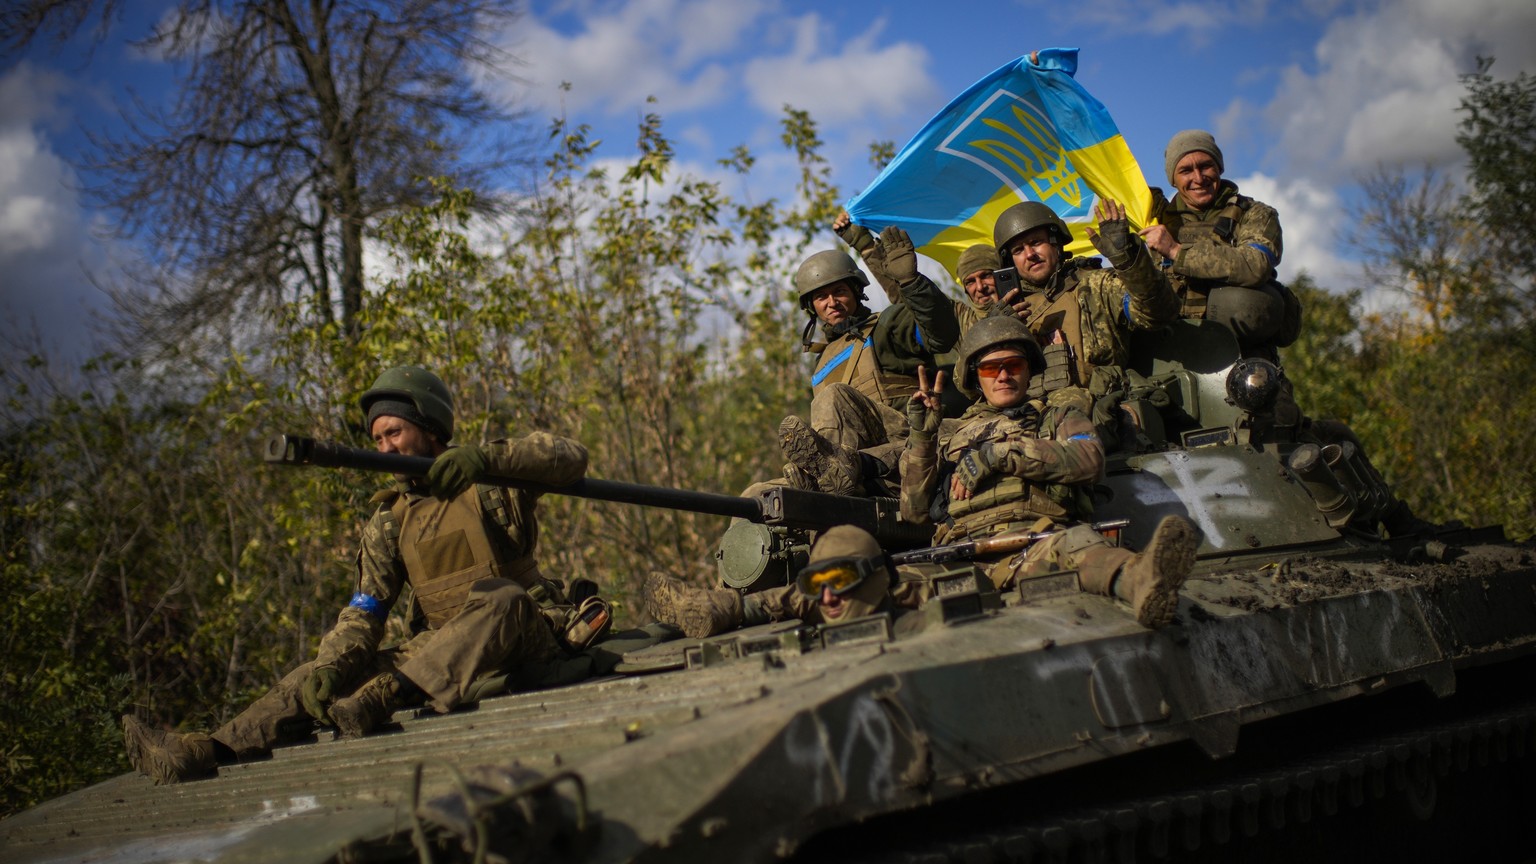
(1023, 218)
(827, 268)
(415, 387)
(989, 334)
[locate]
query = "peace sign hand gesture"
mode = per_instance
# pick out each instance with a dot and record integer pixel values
(925, 409)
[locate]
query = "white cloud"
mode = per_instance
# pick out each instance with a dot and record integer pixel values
(676, 50)
(1312, 218)
(861, 80)
(43, 240)
(1386, 85)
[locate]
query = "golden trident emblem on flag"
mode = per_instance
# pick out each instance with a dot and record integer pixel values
(1020, 147)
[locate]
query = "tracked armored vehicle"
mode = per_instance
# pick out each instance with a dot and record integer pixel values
(1323, 693)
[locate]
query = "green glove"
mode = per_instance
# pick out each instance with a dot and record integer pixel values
(319, 691)
(922, 421)
(457, 469)
(900, 256)
(858, 237)
(1113, 240)
(976, 466)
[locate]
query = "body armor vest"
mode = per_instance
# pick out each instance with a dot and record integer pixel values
(850, 359)
(1007, 502)
(1047, 312)
(447, 546)
(1193, 293)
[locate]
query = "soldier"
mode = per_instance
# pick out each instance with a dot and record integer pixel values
(974, 271)
(1083, 315)
(1016, 464)
(865, 371)
(468, 553)
(1222, 249)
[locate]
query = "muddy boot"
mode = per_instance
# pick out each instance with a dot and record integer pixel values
(1150, 580)
(700, 612)
(168, 757)
(796, 478)
(373, 704)
(835, 469)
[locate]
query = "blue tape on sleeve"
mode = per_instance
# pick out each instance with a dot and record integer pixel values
(367, 604)
(1268, 255)
(1125, 308)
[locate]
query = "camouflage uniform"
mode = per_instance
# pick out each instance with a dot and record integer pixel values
(474, 607)
(1050, 454)
(1244, 253)
(1094, 310)
(867, 369)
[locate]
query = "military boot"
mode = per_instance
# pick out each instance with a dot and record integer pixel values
(168, 757)
(372, 704)
(836, 469)
(1151, 579)
(700, 612)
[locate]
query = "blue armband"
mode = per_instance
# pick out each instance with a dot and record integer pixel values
(368, 604)
(1268, 255)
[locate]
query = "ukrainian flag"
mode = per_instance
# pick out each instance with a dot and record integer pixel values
(1026, 132)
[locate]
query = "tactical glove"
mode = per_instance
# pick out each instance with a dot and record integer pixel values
(922, 420)
(900, 256)
(456, 470)
(858, 237)
(1113, 240)
(320, 691)
(975, 466)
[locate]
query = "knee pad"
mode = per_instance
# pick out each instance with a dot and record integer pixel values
(1254, 314)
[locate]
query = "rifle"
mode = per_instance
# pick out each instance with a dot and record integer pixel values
(991, 545)
(781, 507)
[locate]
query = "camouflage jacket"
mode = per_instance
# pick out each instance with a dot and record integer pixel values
(909, 332)
(1245, 257)
(381, 570)
(1053, 449)
(968, 313)
(1110, 303)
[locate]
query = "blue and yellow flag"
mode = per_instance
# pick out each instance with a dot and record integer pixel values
(1026, 132)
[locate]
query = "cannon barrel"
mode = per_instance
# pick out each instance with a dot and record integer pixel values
(298, 450)
(780, 506)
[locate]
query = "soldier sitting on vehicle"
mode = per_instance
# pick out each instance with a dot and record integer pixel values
(481, 607)
(1016, 464)
(1082, 313)
(846, 576)
(864, 372)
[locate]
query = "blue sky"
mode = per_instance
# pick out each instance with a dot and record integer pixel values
(1302, 96)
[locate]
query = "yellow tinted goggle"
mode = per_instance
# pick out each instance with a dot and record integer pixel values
(841, 575)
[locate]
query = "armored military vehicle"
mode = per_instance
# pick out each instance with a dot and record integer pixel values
(1323, 693)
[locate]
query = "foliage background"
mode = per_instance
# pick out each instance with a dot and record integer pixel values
(151, 564)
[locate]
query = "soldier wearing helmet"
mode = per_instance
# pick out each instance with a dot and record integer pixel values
(865, 368)
(1080, 314)
(1017, 464)
(846, 576)
(480, 606)
(1222, 249)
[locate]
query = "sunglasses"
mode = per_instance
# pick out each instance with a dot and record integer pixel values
(1016, 366)
(841, 575)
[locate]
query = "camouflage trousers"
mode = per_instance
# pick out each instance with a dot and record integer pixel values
(850, 419)
(498, 629)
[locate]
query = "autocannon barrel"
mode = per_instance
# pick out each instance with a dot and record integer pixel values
(298, 450)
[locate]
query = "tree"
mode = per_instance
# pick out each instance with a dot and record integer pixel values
(296, 126)
(1498, 134)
